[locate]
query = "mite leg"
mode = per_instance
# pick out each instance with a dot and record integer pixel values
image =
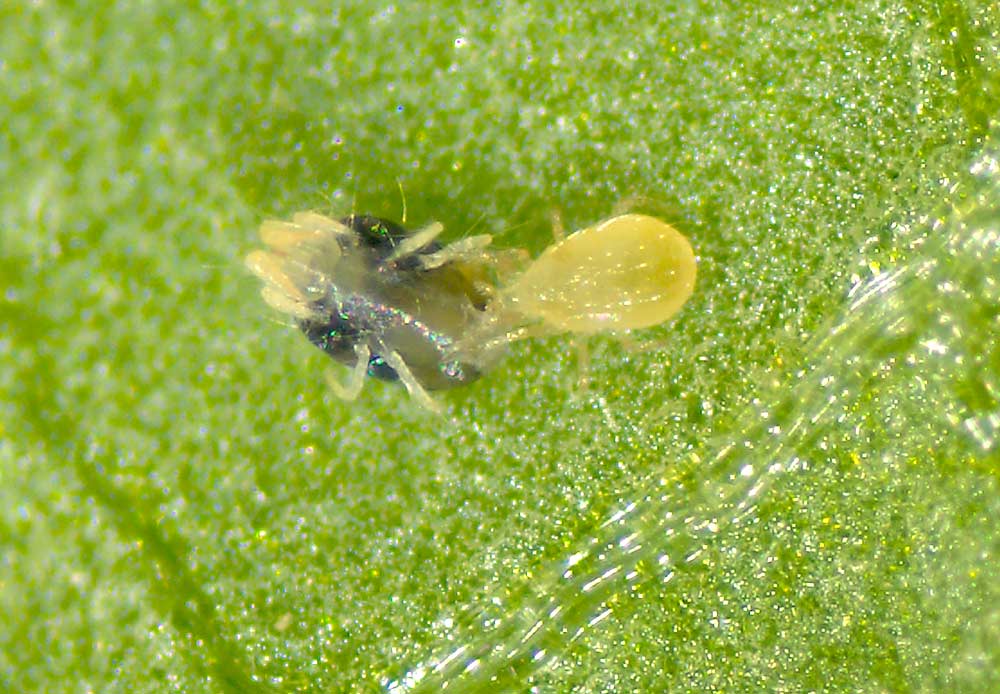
(318, 222)
(419, 239)
(509, 260)
(287, 237)
(636, 202)
(349, 391)
(311, 242)
(582, 363)
(292, 305)
(481, 342)
(471, 249)
(417, 392)
(295, 278)
(558, 230)
(633, 346)
(273, 271)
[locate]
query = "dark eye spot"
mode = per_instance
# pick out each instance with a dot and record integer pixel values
(336, 337)
(374, 231)
(383, 236)
(379, 369)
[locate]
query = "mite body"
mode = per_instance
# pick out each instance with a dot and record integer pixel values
(387, 302)
(628, 272)
(397, 305)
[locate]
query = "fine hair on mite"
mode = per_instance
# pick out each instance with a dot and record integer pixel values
(398, 305)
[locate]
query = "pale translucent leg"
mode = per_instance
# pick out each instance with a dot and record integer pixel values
(634, 346)
(301, 250)
(288, 276)
(349, 391)
(297, 308)
(417, 392)
(634, 203)
(629, 203)
(480, 341)
(471, 248)
(314, 220)
(419, 239)
(558, 230)
(273, 270)
(508, 260)
(317, 232)
(582, 363)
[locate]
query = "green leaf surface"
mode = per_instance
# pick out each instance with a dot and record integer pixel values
(796, 491)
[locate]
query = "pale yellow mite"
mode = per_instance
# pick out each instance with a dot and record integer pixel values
(397, 305)
(628, 272)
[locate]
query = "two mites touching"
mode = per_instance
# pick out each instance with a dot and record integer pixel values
(398, 305)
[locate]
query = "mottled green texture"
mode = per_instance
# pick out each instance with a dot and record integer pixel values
(799, 491)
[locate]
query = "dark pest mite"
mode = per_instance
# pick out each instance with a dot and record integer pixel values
(387, 302)
(397, 305)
